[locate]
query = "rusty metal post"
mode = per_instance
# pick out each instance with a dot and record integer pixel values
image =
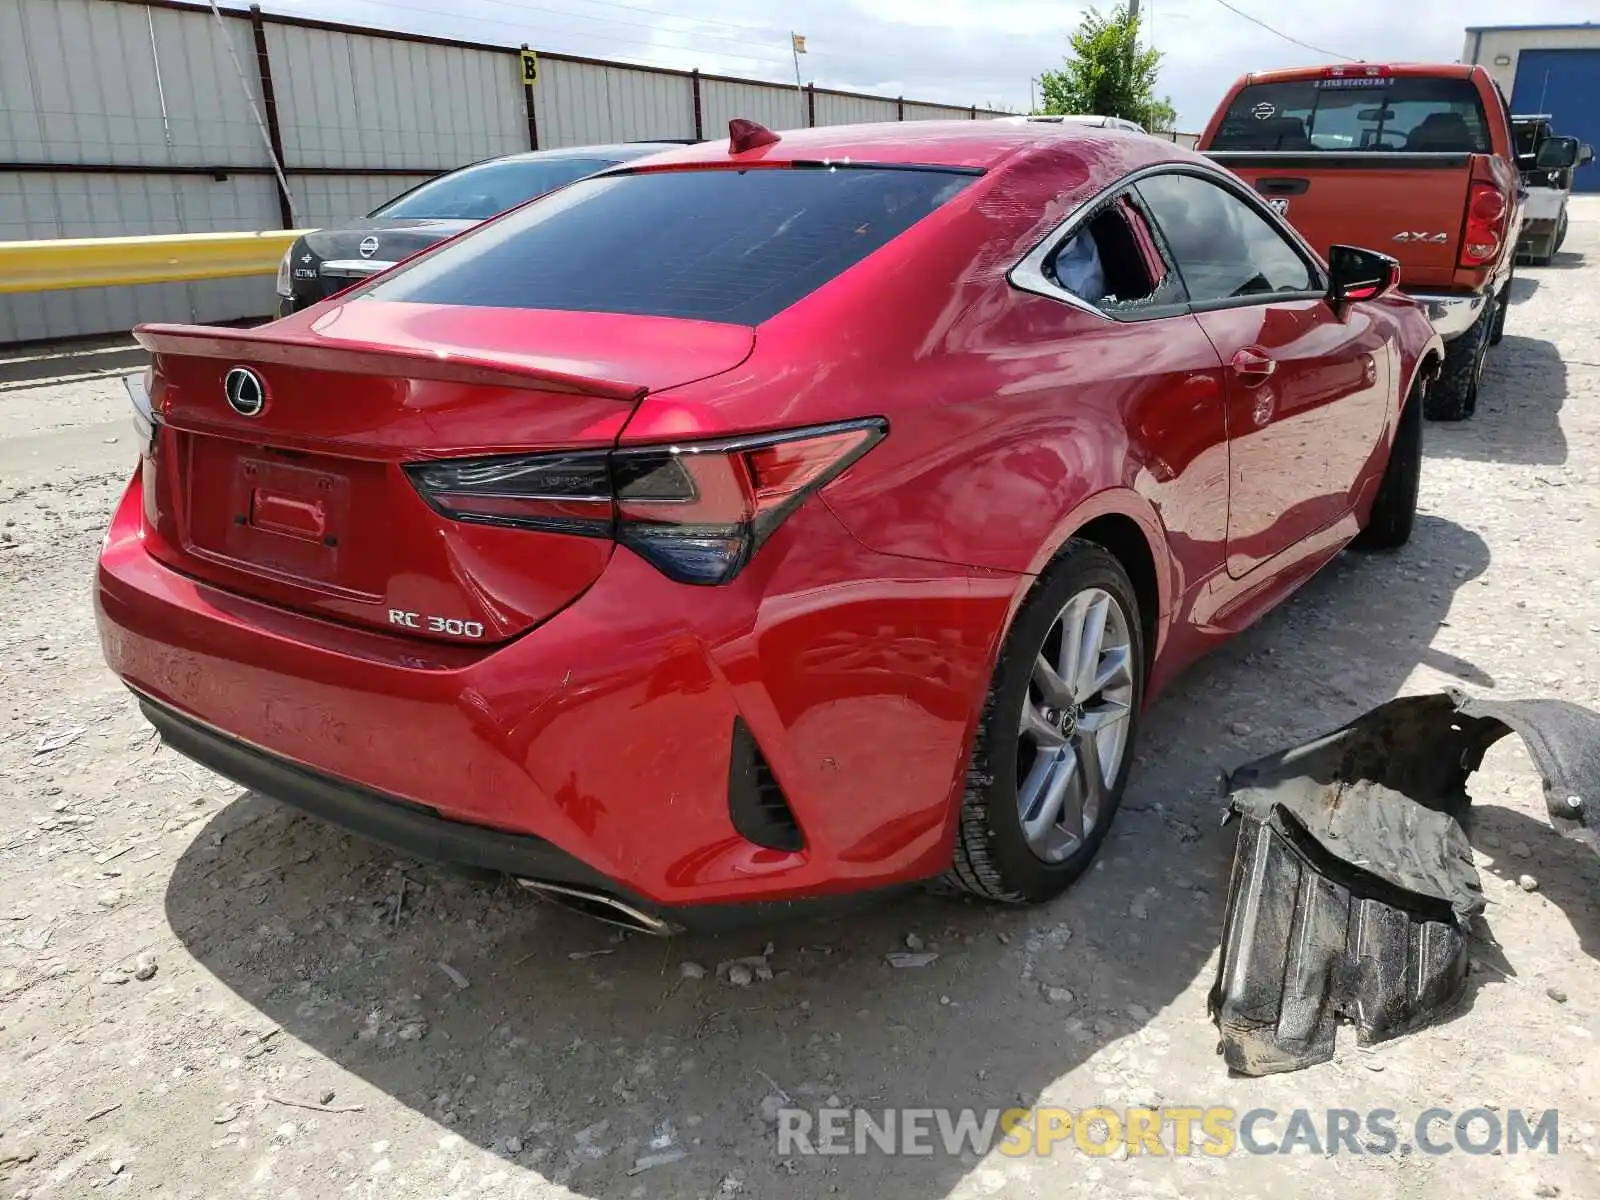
(527, 99)
(269, 106)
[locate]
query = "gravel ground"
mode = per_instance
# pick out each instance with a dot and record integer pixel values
(455, 1038)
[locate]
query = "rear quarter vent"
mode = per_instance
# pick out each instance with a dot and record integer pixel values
(756, 804)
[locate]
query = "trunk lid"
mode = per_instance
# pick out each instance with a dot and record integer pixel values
(327, 261)
(1409, 206)
(305, 503)
(387, 238)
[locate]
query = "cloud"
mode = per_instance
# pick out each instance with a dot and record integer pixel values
(980, 52)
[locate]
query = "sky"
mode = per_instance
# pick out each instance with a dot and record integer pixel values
(965, 52)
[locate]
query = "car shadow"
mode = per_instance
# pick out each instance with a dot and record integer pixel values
(1523, 288)
(1566, 260)
(1567, 872)
(1518, 419)
(578, 1051)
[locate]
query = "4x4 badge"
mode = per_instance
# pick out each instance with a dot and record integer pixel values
(1437, 239)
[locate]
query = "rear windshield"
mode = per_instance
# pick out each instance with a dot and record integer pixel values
(711, 244)
(1357, 113)
(478, 192)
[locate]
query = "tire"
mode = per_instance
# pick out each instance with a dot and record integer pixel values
(995, 857)
(1454, 396)
(1561, 234)
(1394, 512)
(1497, 331)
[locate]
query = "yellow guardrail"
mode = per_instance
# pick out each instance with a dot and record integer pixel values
(47, 266)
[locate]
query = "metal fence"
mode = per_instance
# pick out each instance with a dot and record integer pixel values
(121, 117)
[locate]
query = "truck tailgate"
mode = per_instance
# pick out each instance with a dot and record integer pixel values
(1410, 206)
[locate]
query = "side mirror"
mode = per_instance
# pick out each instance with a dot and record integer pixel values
(1357, 274)
(1585, 154)
(1556, 154)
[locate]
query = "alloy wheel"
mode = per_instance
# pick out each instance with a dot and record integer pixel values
(1075, 723)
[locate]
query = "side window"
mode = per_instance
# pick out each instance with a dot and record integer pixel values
(1224, 249)
(1113, 263)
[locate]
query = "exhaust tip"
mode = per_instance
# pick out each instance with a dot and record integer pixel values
(600, 907)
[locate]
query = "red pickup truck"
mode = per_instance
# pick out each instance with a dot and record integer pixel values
(1417, 160)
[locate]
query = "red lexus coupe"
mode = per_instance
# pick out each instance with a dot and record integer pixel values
(767, 520)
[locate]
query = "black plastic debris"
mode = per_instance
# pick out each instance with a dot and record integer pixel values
(1353, 887)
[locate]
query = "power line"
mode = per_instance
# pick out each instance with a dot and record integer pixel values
(655, 12)
(1280, 33)
(580, 33)
(609, 22)
(671, 45)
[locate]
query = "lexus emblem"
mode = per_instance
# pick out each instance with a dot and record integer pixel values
(246, 394)
(368, 247)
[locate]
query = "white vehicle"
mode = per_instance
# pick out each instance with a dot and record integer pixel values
(1096, 122)
(1544, 208)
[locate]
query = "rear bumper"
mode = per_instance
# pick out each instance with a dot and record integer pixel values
(1452, 313)
(410, 828)
(597, 748)
(424, 834)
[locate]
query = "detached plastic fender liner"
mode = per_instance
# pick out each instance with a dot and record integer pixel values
(1353, 888)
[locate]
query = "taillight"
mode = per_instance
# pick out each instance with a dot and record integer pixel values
(558, 493)
(696, 511)
(1357, 71)
(144, 419)
(1486, 213)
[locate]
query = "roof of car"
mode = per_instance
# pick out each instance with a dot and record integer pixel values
(974, 145)
(618, 150)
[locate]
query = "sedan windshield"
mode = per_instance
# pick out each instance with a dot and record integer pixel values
(478, 192)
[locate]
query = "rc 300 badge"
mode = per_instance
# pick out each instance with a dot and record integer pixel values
(447, 625)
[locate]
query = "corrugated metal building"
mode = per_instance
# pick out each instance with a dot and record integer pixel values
(125, 117)
(1551, 69)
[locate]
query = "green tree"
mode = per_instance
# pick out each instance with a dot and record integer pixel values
(1109, 74)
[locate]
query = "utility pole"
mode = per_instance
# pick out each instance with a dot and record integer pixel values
(797, 43)
(1133, 42)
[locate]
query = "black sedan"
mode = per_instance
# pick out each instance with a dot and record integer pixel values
(329, 260)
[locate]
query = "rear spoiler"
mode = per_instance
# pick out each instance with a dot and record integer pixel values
(304, 348)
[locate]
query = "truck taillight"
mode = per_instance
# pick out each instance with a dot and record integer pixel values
(1486, 214)
(696, 512)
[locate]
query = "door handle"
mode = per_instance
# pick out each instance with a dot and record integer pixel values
(1252, 367)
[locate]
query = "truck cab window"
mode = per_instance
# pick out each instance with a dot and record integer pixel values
(1391, 114)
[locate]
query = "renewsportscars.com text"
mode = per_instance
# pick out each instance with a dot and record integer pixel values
(1159, 1132)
